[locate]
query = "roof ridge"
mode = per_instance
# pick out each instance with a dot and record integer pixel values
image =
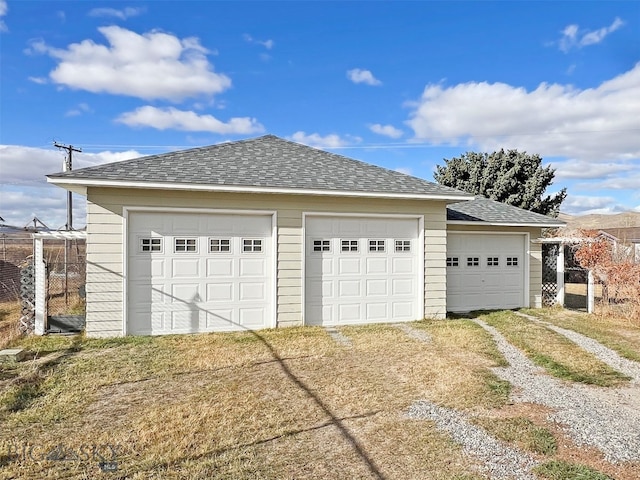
(267, 161)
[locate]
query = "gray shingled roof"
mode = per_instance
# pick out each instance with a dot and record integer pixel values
(482, 209)
(265, 162)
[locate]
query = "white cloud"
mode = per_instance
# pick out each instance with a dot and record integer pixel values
(38, 80)
(268, 44)
(357, 75)
(3, 11)
(25, 192)
(628, 181)
(154, 65)
(405, 170)
(122, 14)
(316, 140)
(45, 161)
(172, 118)
(47, 202)
(586, 205)
(591, 125)
(577, 169)
(572, 37)
(386, 130)
(80, 109)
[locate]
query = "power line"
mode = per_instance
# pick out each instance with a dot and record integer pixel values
(425, 142)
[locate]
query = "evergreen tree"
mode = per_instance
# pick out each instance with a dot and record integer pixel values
(512, 177)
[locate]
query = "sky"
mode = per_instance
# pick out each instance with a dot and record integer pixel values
(402, 85)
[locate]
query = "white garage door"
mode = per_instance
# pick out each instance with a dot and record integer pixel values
(485, 271)
(191, 272)
(362, 270)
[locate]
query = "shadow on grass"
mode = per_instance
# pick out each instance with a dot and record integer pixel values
(28, 388)
(334, 420)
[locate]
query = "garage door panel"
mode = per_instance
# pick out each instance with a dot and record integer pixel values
(377, 311)
(349, 266)
(220, 292)
(323, 286)
(316, 267)
(252, 317)
(219, 319)
(185, 293)
(320, 313)
(349, 288)
(403, 265)
(346, 227)
(220, 267)
(252, 291)
(377, 287)
(203, 290)
(402, 286)
(349, 312)
(252, 267)
(377, 266)
(402, 310)
(185, 268)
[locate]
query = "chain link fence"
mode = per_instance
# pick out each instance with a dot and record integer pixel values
(65, 266)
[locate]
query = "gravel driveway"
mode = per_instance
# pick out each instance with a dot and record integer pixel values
(605, 418)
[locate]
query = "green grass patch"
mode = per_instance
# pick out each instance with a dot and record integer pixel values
(559, 470)
(617, 334)
(522, 432)
(499, 390)
(558, 355)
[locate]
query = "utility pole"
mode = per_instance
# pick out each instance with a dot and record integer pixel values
(68, 165)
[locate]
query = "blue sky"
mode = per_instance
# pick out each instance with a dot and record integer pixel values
(402, 85)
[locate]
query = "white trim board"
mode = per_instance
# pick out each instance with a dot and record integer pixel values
(64, 182)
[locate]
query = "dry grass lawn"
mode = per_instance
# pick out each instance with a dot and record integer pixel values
(276, 404)
(9, 316)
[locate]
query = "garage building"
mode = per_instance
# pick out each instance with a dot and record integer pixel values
(265, 233)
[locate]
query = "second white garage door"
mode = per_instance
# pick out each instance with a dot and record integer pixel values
(362, 270)
(485, 271)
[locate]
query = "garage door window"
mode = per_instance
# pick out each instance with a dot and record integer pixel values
(349, 245)
(186, 245)
(251, 245)
(376, 245)
(493, 262)
(453, 261)
(512, 261)
(151, 245)
(219, 245)
(403, 245)
(473, 261)
(322, 245)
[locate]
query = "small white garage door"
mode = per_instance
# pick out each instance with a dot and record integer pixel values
(362, 270)
(485, 271)
(192, 272)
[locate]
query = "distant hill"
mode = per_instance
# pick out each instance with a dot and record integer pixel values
(598, 222)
